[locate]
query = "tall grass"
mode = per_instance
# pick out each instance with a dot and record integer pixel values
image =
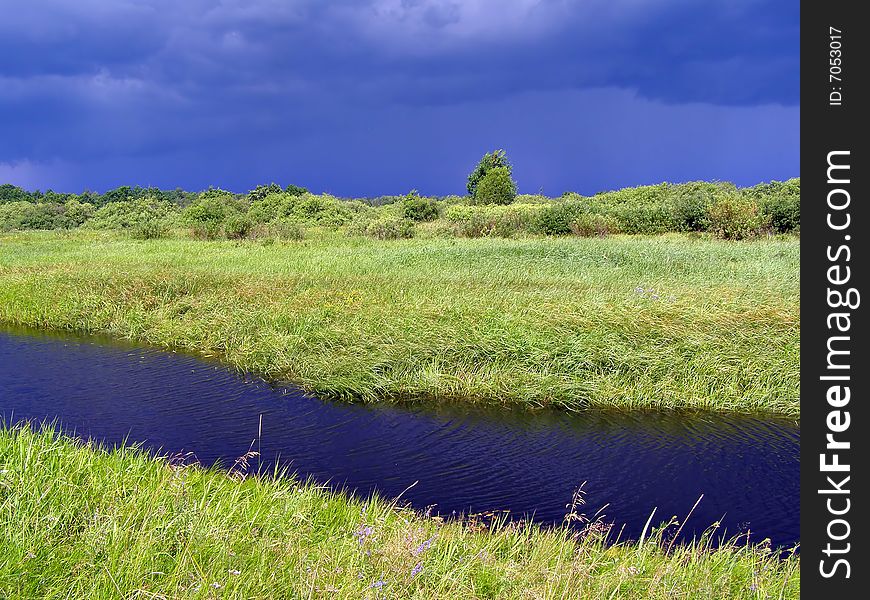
(667, 321)
(77, 521)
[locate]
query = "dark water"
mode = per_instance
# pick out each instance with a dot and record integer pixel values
(464, 460)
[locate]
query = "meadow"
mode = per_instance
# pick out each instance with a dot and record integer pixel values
(80, 521)
(666, 321)
(668, 297)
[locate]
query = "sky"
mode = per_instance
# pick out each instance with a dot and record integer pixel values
(371, 97)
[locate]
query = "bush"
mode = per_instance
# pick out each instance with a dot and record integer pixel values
(322, 210)
(383, 228)
(149, 228)
(14, 213)
(261, 191)
(689, 203)
(532, 199)
(780, 202)
(237, 227)
(295, 190)
(288, 229)
(556, 218)
(494, 160)
(735, 217)
(13, 193)
(282, 229)
(141, 216)
(76, 213)
(648, 219)
(496, 187)
(591, 225)
(501, 221)
(206, 216)
(417, 208)
(309, 208)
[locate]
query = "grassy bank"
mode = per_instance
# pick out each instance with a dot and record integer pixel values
(666, 321)
(80, 522)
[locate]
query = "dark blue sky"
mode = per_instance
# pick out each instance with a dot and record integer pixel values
(372, 97)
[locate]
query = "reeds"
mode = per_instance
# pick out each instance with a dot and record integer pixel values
(532, 322)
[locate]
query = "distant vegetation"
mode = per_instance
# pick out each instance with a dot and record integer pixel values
(492, 208)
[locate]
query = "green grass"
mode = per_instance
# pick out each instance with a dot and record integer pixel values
(77, 521)
(533, 321)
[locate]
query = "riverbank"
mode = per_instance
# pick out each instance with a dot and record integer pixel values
(79, 522)
(669, 321)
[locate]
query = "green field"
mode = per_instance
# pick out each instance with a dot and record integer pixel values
(79, 522)
(563, 321)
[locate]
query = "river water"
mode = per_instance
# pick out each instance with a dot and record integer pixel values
(463, 459)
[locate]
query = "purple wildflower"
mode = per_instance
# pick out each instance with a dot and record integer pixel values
(416, 570)
(363, 533)
(378, 584)
(424, 546)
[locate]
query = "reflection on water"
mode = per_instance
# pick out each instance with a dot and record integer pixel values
(463, 459)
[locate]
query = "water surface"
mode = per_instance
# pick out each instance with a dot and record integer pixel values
(463, 459)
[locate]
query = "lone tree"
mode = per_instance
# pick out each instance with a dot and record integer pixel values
(490, 160)
(496, 187)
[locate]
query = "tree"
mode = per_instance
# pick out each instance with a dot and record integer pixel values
(261, 191)
(496, 187)
(490, 160)
(13, 193)
(296, 190)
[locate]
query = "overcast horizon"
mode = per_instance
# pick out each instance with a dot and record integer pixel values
(366, 98)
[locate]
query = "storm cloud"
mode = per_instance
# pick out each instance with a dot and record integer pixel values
(370, 97)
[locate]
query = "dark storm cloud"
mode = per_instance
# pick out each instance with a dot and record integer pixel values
(262, 82)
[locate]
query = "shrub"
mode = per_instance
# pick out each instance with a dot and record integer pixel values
(288, 229)
(780, 202)
(76, 213)
(149, 227)
(383, 228)
(502, 221)
(556, 218)
(285, 228)
(237, 227)
(645, 219)
(320, 210)
(496, 187)
(13, 193)
(313, 209)
(14, 213)
(417, 208)
(532, 199)
(391, 229)
(490, 160)
(784, 212)
(591, 225)
(734, 217)
(133, 214)
(261, 191)
(689, 203)
(266, 209)
(295, 190)
(206, 216)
